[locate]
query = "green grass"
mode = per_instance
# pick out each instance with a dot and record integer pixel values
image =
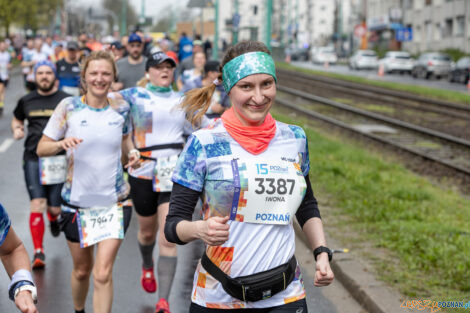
(448, 95)
(424, 229)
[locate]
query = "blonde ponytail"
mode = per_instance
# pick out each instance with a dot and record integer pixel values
(196, 103)
(142, 82)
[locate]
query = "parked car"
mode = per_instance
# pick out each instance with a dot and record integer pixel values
(363, 59)
(299, 54)
(397, 61)
(433, 64)
(461, 71)
(322, 55)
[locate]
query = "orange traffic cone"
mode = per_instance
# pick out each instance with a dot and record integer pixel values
(468, 84)
(326, 64)
(381, 70)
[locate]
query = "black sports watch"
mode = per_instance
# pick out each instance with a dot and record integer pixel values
(322, 249)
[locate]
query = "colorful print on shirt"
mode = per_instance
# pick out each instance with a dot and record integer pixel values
(5, 224)
(94, 176)
(156, 120)
(206, 165)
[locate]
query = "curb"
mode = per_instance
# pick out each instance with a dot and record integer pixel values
(358, 279)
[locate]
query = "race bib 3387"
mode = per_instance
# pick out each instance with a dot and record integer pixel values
(266, 191)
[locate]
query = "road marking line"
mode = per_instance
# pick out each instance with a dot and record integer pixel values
(6, 144)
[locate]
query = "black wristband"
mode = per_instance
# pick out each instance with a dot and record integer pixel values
(322, 249)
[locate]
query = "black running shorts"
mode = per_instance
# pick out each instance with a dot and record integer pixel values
(145, 200)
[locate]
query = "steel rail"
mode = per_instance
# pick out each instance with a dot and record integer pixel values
(343, 125)
(385, 119)
(375, 89)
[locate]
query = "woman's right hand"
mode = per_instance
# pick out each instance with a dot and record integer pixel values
(214, 230)
(24, 302)
(69, 143)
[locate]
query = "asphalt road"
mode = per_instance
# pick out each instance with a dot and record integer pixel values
(53, 282)
(394, 77)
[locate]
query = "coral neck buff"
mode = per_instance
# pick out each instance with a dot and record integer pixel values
(254, 139)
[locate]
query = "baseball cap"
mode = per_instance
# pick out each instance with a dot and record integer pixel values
(134, 38)
(46, 63)
(158, 58)
(72, 45)
(117, 45)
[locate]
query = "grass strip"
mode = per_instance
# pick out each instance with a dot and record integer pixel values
(439, 94)
(426, 229)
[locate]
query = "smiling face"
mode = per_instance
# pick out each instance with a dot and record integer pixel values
(199, 60)
(99, 76)
(252, 98)
(161, 74)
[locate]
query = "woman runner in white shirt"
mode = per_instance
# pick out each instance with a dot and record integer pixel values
(92, 129)
(252, 174)
(159, 127)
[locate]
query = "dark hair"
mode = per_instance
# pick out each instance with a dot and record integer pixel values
(211, 66)
(197, 101)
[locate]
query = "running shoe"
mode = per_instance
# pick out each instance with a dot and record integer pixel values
(55, 228)
(39, 260)
(148, 281)
(162, 306)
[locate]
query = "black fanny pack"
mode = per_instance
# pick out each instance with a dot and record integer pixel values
(160, 147)
(255, 287)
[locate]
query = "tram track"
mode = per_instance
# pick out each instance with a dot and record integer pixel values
(448, 151)
(442, 116)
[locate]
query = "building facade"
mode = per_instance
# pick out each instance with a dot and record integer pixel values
(437, 25)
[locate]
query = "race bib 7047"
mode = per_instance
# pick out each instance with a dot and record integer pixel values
(96, 224)
(267, 192)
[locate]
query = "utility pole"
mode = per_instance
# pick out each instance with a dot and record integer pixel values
(215, 44)
(236, 24)
(281, 33)
(202, 24)
(269, 12)
(142, 12)
(124, 18)
(297, 23)
(340, 26)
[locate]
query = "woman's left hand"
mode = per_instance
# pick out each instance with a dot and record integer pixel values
(323, 274)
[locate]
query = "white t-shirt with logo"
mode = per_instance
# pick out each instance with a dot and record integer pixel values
(95, 176)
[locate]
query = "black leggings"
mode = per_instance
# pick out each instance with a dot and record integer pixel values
(299, 306)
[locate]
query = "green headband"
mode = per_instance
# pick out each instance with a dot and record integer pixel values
(247, 64)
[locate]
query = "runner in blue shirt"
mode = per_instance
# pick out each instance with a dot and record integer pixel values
(68, 70)
(185, 47)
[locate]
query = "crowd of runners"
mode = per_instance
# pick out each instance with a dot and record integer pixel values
(184, 143)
